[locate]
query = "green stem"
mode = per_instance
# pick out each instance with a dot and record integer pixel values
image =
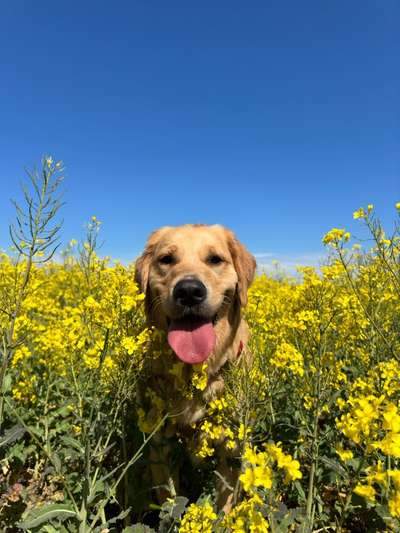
(349, 495)
(124, 471)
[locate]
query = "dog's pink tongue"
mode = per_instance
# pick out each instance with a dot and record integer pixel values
(192, 339)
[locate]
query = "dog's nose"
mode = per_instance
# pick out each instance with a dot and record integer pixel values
(189, 292)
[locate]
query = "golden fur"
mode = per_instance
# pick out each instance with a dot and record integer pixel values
(191, 250)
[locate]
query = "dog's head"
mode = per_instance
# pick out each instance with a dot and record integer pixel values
(193, 276)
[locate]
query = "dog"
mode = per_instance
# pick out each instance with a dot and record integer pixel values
(195, 279)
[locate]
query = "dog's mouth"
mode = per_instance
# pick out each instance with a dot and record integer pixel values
(192, 337)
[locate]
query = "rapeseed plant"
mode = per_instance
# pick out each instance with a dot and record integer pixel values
(311, 421)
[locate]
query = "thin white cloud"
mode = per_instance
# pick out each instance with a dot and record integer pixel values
(270, 262)
(263, 255)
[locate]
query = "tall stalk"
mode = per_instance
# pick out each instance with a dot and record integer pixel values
(35, 236)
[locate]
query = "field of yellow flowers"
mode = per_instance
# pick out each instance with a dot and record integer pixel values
(315, 418)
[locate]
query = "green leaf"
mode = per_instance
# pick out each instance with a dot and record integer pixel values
(179, 507)
(121, 516)
(49, 529)
(300, 490)
(7, 383)
(12, 435)
(138, 528)
(37, 431)
(354, 463)
(56, 462)
(45, 514)
(70, 441)
(335, 466)
(383, 512)
(62, 411)
(20, 451)
(98, 487)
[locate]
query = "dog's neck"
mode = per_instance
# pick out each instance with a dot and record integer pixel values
(231, 340)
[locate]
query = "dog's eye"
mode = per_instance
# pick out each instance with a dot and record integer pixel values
(214, 259)
(167, 259)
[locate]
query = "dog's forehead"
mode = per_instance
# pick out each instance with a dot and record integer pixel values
(195, 237)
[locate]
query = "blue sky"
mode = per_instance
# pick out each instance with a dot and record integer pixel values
(276, 119)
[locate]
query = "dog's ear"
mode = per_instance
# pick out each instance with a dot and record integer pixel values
(245, 266)
(142, 265)
(142, 268)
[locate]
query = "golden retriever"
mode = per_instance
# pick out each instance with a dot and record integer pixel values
(195, 278)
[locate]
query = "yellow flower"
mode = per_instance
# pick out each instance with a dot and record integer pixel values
(395, 477)
(394, 504)
(248, 479)
(390, 444)
(205, 449)
(287, 357)
(200, 376)
(243, 432)
(345, 455)
(366, 491)
(360, 213)
(335, 235)
(246, 517)
(251, 456)
(391, 418)
(290, 466)
(198, 518)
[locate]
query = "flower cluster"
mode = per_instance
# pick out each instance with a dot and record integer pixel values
(259, 467)
(67, 321)
(247, 516)
(198, 518)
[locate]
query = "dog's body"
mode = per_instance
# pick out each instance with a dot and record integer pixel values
(195, 279)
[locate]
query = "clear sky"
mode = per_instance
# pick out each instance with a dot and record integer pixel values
(276, 119)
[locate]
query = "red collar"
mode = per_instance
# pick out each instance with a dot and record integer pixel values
(240, 349)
